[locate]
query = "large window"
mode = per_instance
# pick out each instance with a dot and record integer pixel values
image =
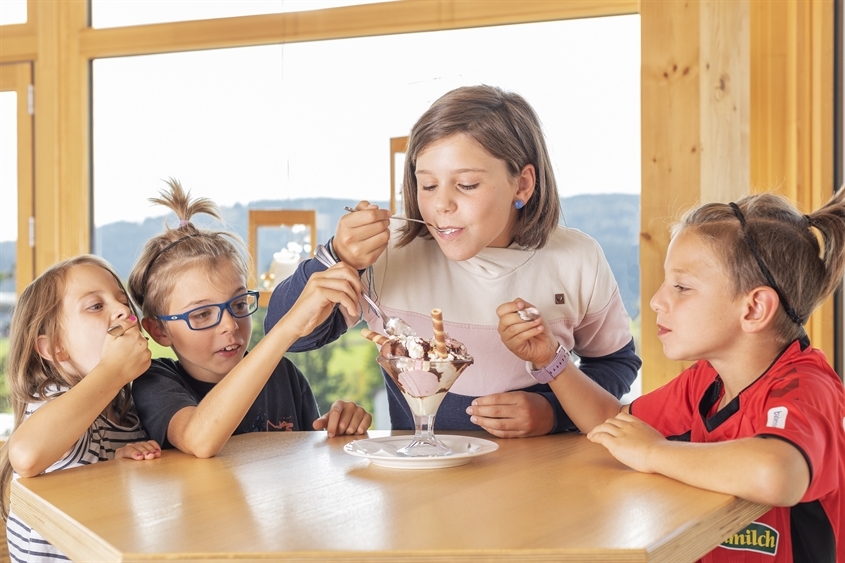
(315, 119)
(308, 125)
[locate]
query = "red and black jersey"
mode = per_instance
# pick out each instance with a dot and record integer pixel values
(799, 399)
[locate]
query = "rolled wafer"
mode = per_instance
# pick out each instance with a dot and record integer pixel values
(439, 334)
(379, 339)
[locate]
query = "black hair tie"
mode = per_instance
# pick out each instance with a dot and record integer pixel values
(766, 273)
(157, 254)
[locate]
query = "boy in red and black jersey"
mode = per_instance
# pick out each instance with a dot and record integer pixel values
(761, 414)
(796, 401)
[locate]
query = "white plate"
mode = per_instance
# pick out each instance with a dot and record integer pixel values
(382, 451)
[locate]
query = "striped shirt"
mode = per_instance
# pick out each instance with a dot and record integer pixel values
(97, 444)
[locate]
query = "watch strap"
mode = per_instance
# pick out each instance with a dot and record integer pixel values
(555, 367)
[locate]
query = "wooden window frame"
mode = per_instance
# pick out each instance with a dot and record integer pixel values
(275, 218)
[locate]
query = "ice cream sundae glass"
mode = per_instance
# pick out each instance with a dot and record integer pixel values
(424, 370)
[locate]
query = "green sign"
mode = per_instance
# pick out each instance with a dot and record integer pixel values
(754, 537)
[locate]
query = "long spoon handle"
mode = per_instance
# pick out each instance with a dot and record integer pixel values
(326, 259)
(400, 217)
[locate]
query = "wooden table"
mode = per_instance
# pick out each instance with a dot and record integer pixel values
(298, 496)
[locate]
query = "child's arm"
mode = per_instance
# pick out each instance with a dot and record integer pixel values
(360, 239)
(586, 403)
(49, 433)
(203, 430)
(765, 470)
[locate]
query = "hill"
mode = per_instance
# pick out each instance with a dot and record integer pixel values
(612, 219)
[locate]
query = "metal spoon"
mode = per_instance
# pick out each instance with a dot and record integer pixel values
(393, 326)
(403, 218)
(529, 314)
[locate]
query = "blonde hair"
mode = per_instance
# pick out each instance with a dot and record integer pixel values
(509, 129)
(165, 256)
(804, 254)
(39, 312)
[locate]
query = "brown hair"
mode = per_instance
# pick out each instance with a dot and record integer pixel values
(509, 129)
(157, 270)
(38, 312)
(805, 254)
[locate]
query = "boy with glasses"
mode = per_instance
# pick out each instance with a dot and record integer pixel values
(191, 286)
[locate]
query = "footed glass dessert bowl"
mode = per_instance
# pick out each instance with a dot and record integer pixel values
(424, 383)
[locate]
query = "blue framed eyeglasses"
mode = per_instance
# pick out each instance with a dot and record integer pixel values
(209, 316)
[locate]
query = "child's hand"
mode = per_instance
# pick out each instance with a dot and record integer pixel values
(345, 417)
(531, 341)
(515, 414)
(125, 350)
(629, 439)
(337, 285)
(362, 235)
(139, 451)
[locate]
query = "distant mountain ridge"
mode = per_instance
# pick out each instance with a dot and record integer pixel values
(611, 219)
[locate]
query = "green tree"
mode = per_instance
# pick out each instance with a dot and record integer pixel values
(345, 369)
(5, 401)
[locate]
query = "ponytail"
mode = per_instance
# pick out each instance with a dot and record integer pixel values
(763, 240)
(164, 257)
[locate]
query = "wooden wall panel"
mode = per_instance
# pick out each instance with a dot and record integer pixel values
(792, 116)
(670, 154)
(725, 100)
(695, 98)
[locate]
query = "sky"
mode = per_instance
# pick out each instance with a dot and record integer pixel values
(314, 119)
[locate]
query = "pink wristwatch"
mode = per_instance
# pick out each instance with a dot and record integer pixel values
(552, 370)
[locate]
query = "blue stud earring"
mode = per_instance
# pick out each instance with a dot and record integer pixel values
(519, 204)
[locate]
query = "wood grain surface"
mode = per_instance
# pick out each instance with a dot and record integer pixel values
(298, 496)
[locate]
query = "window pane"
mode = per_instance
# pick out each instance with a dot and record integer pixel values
(308, 126)
(12, 11)
(9, 197)
(114, 13)
(8, 238)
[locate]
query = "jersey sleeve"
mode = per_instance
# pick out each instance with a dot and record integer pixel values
(670, 408)
(805, 409)
(159, 394)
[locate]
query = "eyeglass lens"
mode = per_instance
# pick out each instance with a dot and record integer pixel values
(207, 317)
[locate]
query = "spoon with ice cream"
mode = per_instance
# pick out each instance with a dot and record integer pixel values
(392, 325)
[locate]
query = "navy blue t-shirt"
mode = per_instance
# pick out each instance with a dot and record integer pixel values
(286, 401)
